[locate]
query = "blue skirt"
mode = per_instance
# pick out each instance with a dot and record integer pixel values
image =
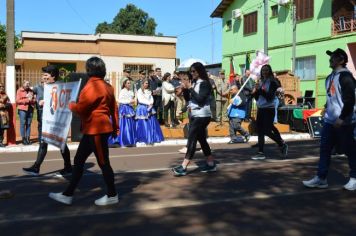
(147, 127)
(127, 134)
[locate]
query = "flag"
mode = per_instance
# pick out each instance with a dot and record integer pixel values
(232, 71)
(247, 61)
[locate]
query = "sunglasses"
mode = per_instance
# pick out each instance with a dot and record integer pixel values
(193, 71)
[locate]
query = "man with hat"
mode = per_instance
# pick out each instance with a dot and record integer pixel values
(222, 93)
(126, 75)
(141, 77)
(339, 120)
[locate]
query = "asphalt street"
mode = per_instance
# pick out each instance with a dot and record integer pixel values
(244, 197)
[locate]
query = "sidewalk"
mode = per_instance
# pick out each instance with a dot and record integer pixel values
(169, 142)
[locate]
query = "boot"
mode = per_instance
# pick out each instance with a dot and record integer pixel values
(24, 141)
(28, 140)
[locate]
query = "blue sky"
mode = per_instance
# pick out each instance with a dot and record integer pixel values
(188, 19)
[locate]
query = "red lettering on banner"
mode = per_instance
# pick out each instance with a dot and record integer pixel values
(64, 97)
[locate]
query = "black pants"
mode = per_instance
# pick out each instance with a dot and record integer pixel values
(248, 106)
(265, 126)
(197, 132)
(169, 107)
(1, 135)
(39, 121)
(42, 151)
(235, 125)
(157, 105)
(99, 145)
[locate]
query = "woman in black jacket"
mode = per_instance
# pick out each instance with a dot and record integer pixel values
(265, 95)
(199, 91)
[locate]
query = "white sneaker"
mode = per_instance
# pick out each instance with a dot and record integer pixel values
(351, 185)
(316, 182)
(259, 156)
(105, 200)
(59, 197)
(183, 150)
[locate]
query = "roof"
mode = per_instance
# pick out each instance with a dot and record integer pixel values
(96, 37)
(221, 8)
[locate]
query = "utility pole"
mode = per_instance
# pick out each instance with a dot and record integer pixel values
(212, 35)
(10, 68)
(294, 22)
(265, 48)
(10, 50)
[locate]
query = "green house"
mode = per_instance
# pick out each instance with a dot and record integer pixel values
(320, 25)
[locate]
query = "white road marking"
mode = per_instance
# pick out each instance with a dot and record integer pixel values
(93, 157)
(246, 164)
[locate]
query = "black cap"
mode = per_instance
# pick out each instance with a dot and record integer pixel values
(338, 52)
(127, 70)
(142, 72)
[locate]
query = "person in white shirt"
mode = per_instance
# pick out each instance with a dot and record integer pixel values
(168, 98)
(127, 124)
(147, 127)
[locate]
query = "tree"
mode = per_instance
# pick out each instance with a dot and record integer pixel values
(129, 20)
(3, 43)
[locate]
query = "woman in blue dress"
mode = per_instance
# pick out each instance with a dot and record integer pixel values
(147, 127)
(127, 132)
(127, 135)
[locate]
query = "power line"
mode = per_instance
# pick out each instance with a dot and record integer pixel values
(199, 28)
(77, 13)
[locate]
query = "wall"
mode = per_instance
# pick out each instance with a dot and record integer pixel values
(313, 39)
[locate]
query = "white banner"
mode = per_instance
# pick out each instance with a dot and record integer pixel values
(56, 116)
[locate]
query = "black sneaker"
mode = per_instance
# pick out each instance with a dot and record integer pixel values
(208, 168)
(179, 171)
(31, 170)
(247, 138)
(284, 150)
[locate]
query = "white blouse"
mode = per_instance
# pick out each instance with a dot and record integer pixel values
(126, 96)
(145, 97)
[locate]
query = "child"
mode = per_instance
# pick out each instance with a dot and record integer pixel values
(236, 113)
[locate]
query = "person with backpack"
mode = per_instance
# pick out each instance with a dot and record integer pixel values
(339, 120)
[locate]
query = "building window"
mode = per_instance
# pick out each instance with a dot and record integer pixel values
(305, 68)
(250, 23)
(274, 10)
(135, 68)
(305, 9)
(342, 23)
(228, 25)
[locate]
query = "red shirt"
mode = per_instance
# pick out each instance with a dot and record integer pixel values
(95, 106)
(25, 99)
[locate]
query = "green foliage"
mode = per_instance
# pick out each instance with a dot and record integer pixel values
(129, 20)
(3, 43)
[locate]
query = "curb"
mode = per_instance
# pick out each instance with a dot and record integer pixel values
(169, 142)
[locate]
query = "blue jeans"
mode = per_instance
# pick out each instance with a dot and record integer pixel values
(25, 122)
(329, 137)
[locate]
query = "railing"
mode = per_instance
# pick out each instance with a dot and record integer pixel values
(343, 25)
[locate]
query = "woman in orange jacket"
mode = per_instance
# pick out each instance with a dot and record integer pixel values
(95, 106)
